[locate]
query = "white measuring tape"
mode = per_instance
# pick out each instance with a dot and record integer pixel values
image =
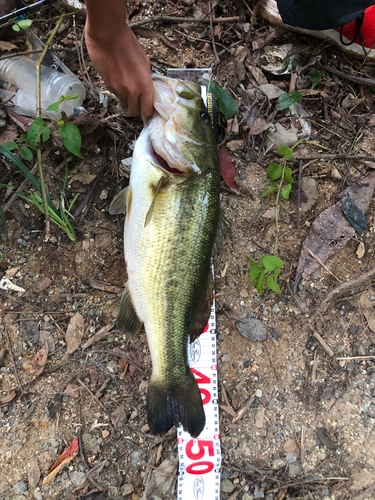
(200, 458)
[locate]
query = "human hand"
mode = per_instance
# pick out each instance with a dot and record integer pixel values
(125, 68)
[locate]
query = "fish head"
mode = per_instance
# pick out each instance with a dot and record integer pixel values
(180, 128)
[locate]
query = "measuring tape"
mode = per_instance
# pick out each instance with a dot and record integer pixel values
(200, 458)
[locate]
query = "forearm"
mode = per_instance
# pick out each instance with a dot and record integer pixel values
(106, 19)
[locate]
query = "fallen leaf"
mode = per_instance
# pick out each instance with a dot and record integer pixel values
(103, 239)
(360, 250)
(226, 168)
(308, 195)
(63, 460)
(271, 91)
(331, 230)
(217, 31)
(259, 126)
(368, 309)
(33, 474)
(35, 364)
(45, 336)
(74, 332)
(11, 272)
(126, 489)
(42, 284)
(7, 45)
(99, 335)
(277, 136)
(106, 287)
(54, 405)
(324, 437)
(235, 145)
(258, 75)
(160, 484)
(72, 390)
(6, 399)
(289, 446)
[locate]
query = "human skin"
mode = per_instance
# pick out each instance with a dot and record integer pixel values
(118, 56)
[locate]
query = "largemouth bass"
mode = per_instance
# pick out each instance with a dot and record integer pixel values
(172, 214)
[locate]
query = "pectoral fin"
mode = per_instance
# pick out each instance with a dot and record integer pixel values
(127, 319)
(201, 315)
(120, 203)
(162, 182)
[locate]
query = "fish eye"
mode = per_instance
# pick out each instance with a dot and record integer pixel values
(206, 117)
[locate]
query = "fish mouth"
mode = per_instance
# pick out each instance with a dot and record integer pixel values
(163, 164)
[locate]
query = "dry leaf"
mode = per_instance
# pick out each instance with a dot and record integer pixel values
(33, 474)
(66, 457)
(217, 31)
(45, 336)
(7, 45)
(235, 145)
(74, 332)
(72, 390)
(279, 136)
(259, 126)
(271, 91)
(35, 364)
(42, 284)
(126, 489)
(6, 399)
(103, 239)
(360, 250)
(99, 335)
(368, 309)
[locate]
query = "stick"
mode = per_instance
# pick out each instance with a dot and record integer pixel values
(327, 156)
(38, 112)
(92, 394)
(336, 291)
(348, 358)
(171, 19)
(324, 344)
(319, 261)
(212, 34)
(299, 195)
(302, 455)
(351, 78)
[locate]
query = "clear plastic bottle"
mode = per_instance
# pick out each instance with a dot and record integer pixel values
(21, 71)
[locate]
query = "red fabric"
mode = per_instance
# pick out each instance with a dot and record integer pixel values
(368, 29)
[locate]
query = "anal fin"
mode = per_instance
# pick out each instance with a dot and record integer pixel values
(201, 315)
(127, 319)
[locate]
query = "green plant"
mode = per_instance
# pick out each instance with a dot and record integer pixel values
(21, 24)
(316, 76)
(267, 269)
(288, 99)
(39, 132)
(227, 105)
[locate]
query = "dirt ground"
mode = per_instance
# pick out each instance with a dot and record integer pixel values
(296, 420)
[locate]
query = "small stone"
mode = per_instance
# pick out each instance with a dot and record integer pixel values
(54, 444)
(38, 495)
(350, 367)
(325, 492)
(103, 194)
(113, 367)
(276, 334)
(45, 447)
(135, 458)
(126, 489)
(258, 352)
(294, 469)
(258, 393)
(23, 243)
(20, 488)
(247, 496)
(276, 309)
(227, 486)
(224, 358)
(252, 329)
(244, 294)
(225, 474)
(53, 239)
(22, 260)
(361, 351)
(371, 411)
(360, 250)
(78, 478)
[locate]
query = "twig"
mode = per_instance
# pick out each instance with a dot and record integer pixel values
(171, 19)
(159, 469)
(348, 358)
(328, 156)
(315, 365)
(14, 363)
(302, 454)
(38, 112)
(212, 34)
(243, 409)
(80, 445)
(351, 78)
(299, 195)
(324, 344)
(336, 291)
(319, 261)
(92, 394)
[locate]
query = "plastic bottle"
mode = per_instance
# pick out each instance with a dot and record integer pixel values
(21, 71)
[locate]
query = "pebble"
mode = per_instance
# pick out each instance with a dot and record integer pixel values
(224, 358)
(258, 393)
(227, 486)
(38, 495)
(371, 411)
(258, 352)
(78, 478)
(225, 474)
(294, 469)
(45, 447)
(54, 444)
(361, 351)
(350, 367)
(252, 329)
(22, 242)
(276, 309)
(325, 492)
(276, 334)
(247, 496)
(20, 488)
(135, 458)
(22, 260)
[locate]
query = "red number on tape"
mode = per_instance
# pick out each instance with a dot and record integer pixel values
(190, 469)
(201, 443)
(206, 396)
(200, 377)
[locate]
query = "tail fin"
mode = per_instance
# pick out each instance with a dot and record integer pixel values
(173, 406)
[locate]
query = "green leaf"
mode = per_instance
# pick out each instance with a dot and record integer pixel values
(226, 103)
(316, 76)
(270, 262)
(37, 129)
(26, 153)
(15, 27)
(23, 137)
(285, 151)
(286, 100)
(285, 192)
(72, 138)
(254, 271)
(288, 176)
(55, 106)
(24, 24)
(269, 189)
(272, 284)
(260, 282)
(10, 145)
(274, 171)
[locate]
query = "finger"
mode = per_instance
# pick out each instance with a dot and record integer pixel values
(146, 103)
(133, 105)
